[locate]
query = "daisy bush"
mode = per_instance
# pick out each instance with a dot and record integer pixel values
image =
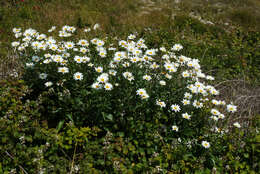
(120, 85)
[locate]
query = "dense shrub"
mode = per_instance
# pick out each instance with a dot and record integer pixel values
(115, 106)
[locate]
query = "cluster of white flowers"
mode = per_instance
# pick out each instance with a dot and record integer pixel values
(112, 66)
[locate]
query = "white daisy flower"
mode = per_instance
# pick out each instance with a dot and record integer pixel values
(48, 84)
(63, 70)
(205, 144)
(78, 76)
(175, 108)
(186, 116)
(43, 76)
(231, 108)
(161, 103)
(147, 77)
(108, 86)
(236, 124)
(175, 128)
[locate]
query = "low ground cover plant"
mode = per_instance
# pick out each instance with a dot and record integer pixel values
(144, 107)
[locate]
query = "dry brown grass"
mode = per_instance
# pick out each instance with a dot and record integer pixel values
(245, 96)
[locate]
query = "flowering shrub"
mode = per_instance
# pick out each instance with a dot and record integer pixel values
(119, 85)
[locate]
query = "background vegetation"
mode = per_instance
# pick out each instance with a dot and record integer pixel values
(224, 35)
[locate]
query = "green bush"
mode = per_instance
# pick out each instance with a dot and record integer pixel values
(151, 111)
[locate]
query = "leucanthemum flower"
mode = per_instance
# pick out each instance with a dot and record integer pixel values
(141, 91)
(215, 102)
(43, 76)
(147, 77)
(187, 95)
(231, 108)
(205, 144)
(69, 45)
(177, 47)
(48, 84)
(83, 43)
(215, 112)
(131, 37)
(162, 82)
(99, 69)
(108, 86)
(185, 74)
(175, 108)
(175, 128)
(185, 102)
(197, 104)
(78, 59)
(63, 70)
(103, 78)
(161, 103)
(96, 85)
(96, 26)
(186, 116)
(78, 76)
(236, 124)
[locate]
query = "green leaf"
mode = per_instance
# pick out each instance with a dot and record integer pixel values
(60, 125)
(70, 117)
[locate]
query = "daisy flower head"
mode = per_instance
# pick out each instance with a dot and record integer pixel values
(214, 117)
(150, 52)
(100, 43)
(215, 112)
(163, 49)
(78, 76)
(185, 102)
(83, 42)
(231, 108)
(145, 96)
(99, 69)
(147, 77)
(103, 53)
(185, 74)
(175, 128)
(162, 82)
(87, 30)
(187, 95)
(221, 116)
(103, 78)
(161, 103)
(168, 76)
(197, 104)
(236, 124)
(69, 45)
(186, 116)
(48, 84)
(43, 76)
(175, 108)
(78, 59)
(112, 72)
(16, 30)
(52, 29)
(85, 59)
(15, 44)
(63, 70)
(177, 47)
(29, 65)
(131, 37)
(108, 86)
(96, 85)
(96, 26)
(205, 144)
(141, 91)
(215, 102)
